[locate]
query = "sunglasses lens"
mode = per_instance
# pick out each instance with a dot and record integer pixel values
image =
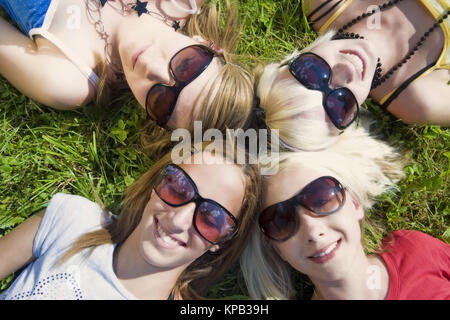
(174, 187)
(213, 223)
(187, 64)
(161, 102)
(278, 221)
(323, 196)
(342, 107)
(312, 71)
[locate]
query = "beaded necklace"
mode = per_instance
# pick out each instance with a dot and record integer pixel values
(378, 79)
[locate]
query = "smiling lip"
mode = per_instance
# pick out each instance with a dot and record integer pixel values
(161, 241)
(327, 257)
(355, 53)
(137, 55)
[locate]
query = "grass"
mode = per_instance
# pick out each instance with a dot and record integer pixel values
(44, 151)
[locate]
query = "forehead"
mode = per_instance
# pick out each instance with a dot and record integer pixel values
(223, 183)
(199, 88)
(193, 95)
(287, 183)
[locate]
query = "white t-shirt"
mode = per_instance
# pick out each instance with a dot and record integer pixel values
(82, 277)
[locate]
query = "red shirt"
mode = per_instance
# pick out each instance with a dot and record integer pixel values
(418, 266)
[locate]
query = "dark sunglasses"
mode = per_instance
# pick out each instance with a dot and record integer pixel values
(185, 66)
(212, 221)
(323, 196)
(315, 73)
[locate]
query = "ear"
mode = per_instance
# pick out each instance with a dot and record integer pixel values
(214, 248)
(208, 43)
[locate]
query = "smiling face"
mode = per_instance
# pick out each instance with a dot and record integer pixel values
(352, 64)
(145, 55)
(167, 236)
(323, 247)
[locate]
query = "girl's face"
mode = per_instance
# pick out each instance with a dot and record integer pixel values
(145, 54)
(167, 236)
(323, 247)
(352, 62)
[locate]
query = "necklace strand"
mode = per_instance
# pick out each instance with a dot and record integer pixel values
(378, 79)
(93, 9)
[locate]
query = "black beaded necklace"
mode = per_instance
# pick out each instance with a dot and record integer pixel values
(378, 79)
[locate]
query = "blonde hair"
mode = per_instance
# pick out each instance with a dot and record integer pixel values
(207, 268)
(285, 101)
(367, 167)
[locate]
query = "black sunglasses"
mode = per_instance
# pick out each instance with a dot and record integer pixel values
(315, 73)
(211, 220)
(185, 66)
(323, 196)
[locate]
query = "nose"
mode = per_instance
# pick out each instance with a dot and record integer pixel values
(182, 218)
(342, 75)
(157, 70)
(312, 227)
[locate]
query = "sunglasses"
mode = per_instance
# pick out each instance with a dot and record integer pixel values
(212, 221)
(185, 66)
(315, 73)
(323, 196)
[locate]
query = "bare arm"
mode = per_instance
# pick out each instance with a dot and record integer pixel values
(16, 248)
(425, 101)
(40, 71)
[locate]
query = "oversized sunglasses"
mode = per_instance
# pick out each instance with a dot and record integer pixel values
(323, 196)
(185, 66)
(211, 220)
(315, 73)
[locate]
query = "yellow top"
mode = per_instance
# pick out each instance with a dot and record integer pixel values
(334, 16)
(437, 8)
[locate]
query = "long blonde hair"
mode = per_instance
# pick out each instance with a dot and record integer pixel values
(285, 101)
(202, 272)
(365, 166)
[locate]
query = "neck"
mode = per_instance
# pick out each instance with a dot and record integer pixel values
(368, 279)
(138, 276)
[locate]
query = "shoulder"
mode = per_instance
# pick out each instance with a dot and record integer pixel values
(66, 218)
(414, 243)
(414, 105)
(73, 206)
(418, 266)
(412, 235)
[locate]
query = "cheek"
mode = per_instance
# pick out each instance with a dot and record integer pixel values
(285, 251)
(316, 113)
(327, 51)
(182, 115)
(361, 90)
(183, 109)
(137, 87)
(200, 245)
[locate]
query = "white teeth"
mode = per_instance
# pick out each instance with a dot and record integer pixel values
(330, 248)
(166, 238)
(357, 60)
